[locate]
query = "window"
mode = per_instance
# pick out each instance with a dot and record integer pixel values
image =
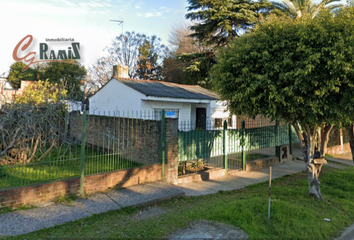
(170, 113)
(219, 122)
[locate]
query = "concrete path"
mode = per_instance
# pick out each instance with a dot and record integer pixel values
(241, 179)
(25, 221)
(342, 161)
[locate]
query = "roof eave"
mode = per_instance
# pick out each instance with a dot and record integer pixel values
(184, 100)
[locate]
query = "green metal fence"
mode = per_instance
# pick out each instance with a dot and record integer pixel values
(40, 145)
(231, 146)
(116, 142)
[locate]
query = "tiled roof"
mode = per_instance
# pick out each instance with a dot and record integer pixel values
(163, 89)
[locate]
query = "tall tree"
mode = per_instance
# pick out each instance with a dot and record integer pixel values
(151, 53)
(220, 21)
(299, 8)
(16, 74)
(99, 73)
(181, 41)
(125, 51)
(217, 22)
(69, 75)
(297, 71)
(177, 64)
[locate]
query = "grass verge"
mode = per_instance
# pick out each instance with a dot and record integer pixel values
(293, 214)
(57, 166)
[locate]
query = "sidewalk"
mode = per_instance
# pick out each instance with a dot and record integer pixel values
(25, 221)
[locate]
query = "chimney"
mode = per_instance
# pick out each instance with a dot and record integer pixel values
(120, 71)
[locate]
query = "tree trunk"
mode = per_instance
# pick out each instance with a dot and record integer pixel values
(350, 130)
(313, 165)
(324, 138)
(303, 140)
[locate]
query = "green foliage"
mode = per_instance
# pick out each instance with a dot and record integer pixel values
(217, 22)
(292, 70)
(149, 64)
(220, 21)
(42, 92)
(67, 199)
(69, 75)
(16, 74)
(198, 67)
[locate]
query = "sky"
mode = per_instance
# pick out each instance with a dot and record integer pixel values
(85, 21)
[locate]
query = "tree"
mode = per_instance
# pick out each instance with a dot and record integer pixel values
(217, 22)
(299, 8)
(16, 74)
(179, 63)
(299, 71)
(182, 42)
(220, 21)
(42, 92)
(99, 74)
(29, 131)
(70, 75)
(125, 51)
(151, 53)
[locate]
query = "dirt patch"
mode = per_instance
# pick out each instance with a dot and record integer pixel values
(208, 230)
(148, 213)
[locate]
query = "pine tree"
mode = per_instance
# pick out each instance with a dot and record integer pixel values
(220, 21)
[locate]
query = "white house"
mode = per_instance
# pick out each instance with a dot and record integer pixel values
(193, 105)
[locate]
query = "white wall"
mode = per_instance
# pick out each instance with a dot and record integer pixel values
(114, 99)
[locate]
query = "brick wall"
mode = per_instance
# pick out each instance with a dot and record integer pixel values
(144, 143)
(259, 121)
(135, 139)
(171, 169)
(41, 193)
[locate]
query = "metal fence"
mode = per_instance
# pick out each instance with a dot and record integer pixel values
(231, 146)
(49, 148)
(40, 144)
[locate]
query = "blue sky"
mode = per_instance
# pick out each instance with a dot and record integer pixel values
(88, 22)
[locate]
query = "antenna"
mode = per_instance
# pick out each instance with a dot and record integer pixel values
(120, 22)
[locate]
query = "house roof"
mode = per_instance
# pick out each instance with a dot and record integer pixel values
(163, 89)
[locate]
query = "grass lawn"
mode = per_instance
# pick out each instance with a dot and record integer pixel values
(294, 214)
(57, 166)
